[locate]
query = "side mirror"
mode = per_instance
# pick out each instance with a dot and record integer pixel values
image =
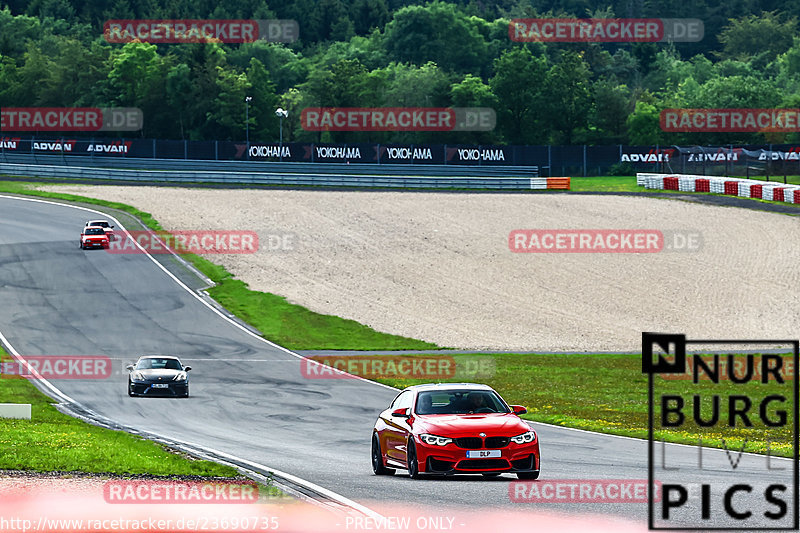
(401, 413)
(129, 368)
(112, 226)
(187, 368)
(518, 410)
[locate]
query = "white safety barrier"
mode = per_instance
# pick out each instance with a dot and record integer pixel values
(15, 410)
(686, 183)
(655, 182)
(766, 192)
(641, 178)
(744, 189)
(717, 185)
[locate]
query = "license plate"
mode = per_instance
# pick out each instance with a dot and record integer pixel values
(160, 385)
(483, 454)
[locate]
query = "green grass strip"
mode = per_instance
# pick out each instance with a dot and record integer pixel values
(605, 184)
(54, 442)
(608, 394)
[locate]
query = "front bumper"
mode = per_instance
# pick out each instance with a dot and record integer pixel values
(95, 244)
(452, 459)
(145, 388)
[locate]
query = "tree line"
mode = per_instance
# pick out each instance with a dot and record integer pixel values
(393, 53)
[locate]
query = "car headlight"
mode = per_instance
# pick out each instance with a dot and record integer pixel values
(528, 436)
(180, 376)
(137, 376)
(435, 440)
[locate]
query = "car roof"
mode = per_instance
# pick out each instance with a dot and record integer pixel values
(158, 357)
(97, 220)
(449, 386)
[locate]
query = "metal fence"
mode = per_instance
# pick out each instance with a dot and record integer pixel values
(428, 159)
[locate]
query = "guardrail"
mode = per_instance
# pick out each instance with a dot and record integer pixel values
(273, 167)
(285, 179)
(286, 174)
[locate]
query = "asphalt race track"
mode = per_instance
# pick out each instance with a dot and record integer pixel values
(249, 398)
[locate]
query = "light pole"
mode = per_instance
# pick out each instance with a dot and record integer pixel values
(282, 114)
(247, 100)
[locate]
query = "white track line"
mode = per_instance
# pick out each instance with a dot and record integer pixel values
(242, 328)
(330, 494)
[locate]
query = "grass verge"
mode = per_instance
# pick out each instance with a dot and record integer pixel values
(280, 321)
(608, 393)
(54, 442)
(605, 184)
(628, 184)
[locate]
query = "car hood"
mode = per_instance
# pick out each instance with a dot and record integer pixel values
(95, 236)
(494, 424)
(155, 374)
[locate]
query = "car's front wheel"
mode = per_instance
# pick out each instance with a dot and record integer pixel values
(411, 461)
(377, 459)
(130, 389)
(528, 475)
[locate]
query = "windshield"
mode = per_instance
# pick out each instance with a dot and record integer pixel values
(158, 364)
(95, 231)
(101, 223)
(453, 402)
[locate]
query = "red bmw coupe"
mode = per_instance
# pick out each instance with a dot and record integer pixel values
(454, 429)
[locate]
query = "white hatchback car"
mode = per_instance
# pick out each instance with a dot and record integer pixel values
(108, 228)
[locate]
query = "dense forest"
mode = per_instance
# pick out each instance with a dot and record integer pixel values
(377, 53)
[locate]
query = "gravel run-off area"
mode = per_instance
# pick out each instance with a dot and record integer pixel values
(437, 266)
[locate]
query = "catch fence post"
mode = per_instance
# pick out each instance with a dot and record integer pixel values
(769, 159)
(584, 160)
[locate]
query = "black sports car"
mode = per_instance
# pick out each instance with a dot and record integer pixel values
(158, 375)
